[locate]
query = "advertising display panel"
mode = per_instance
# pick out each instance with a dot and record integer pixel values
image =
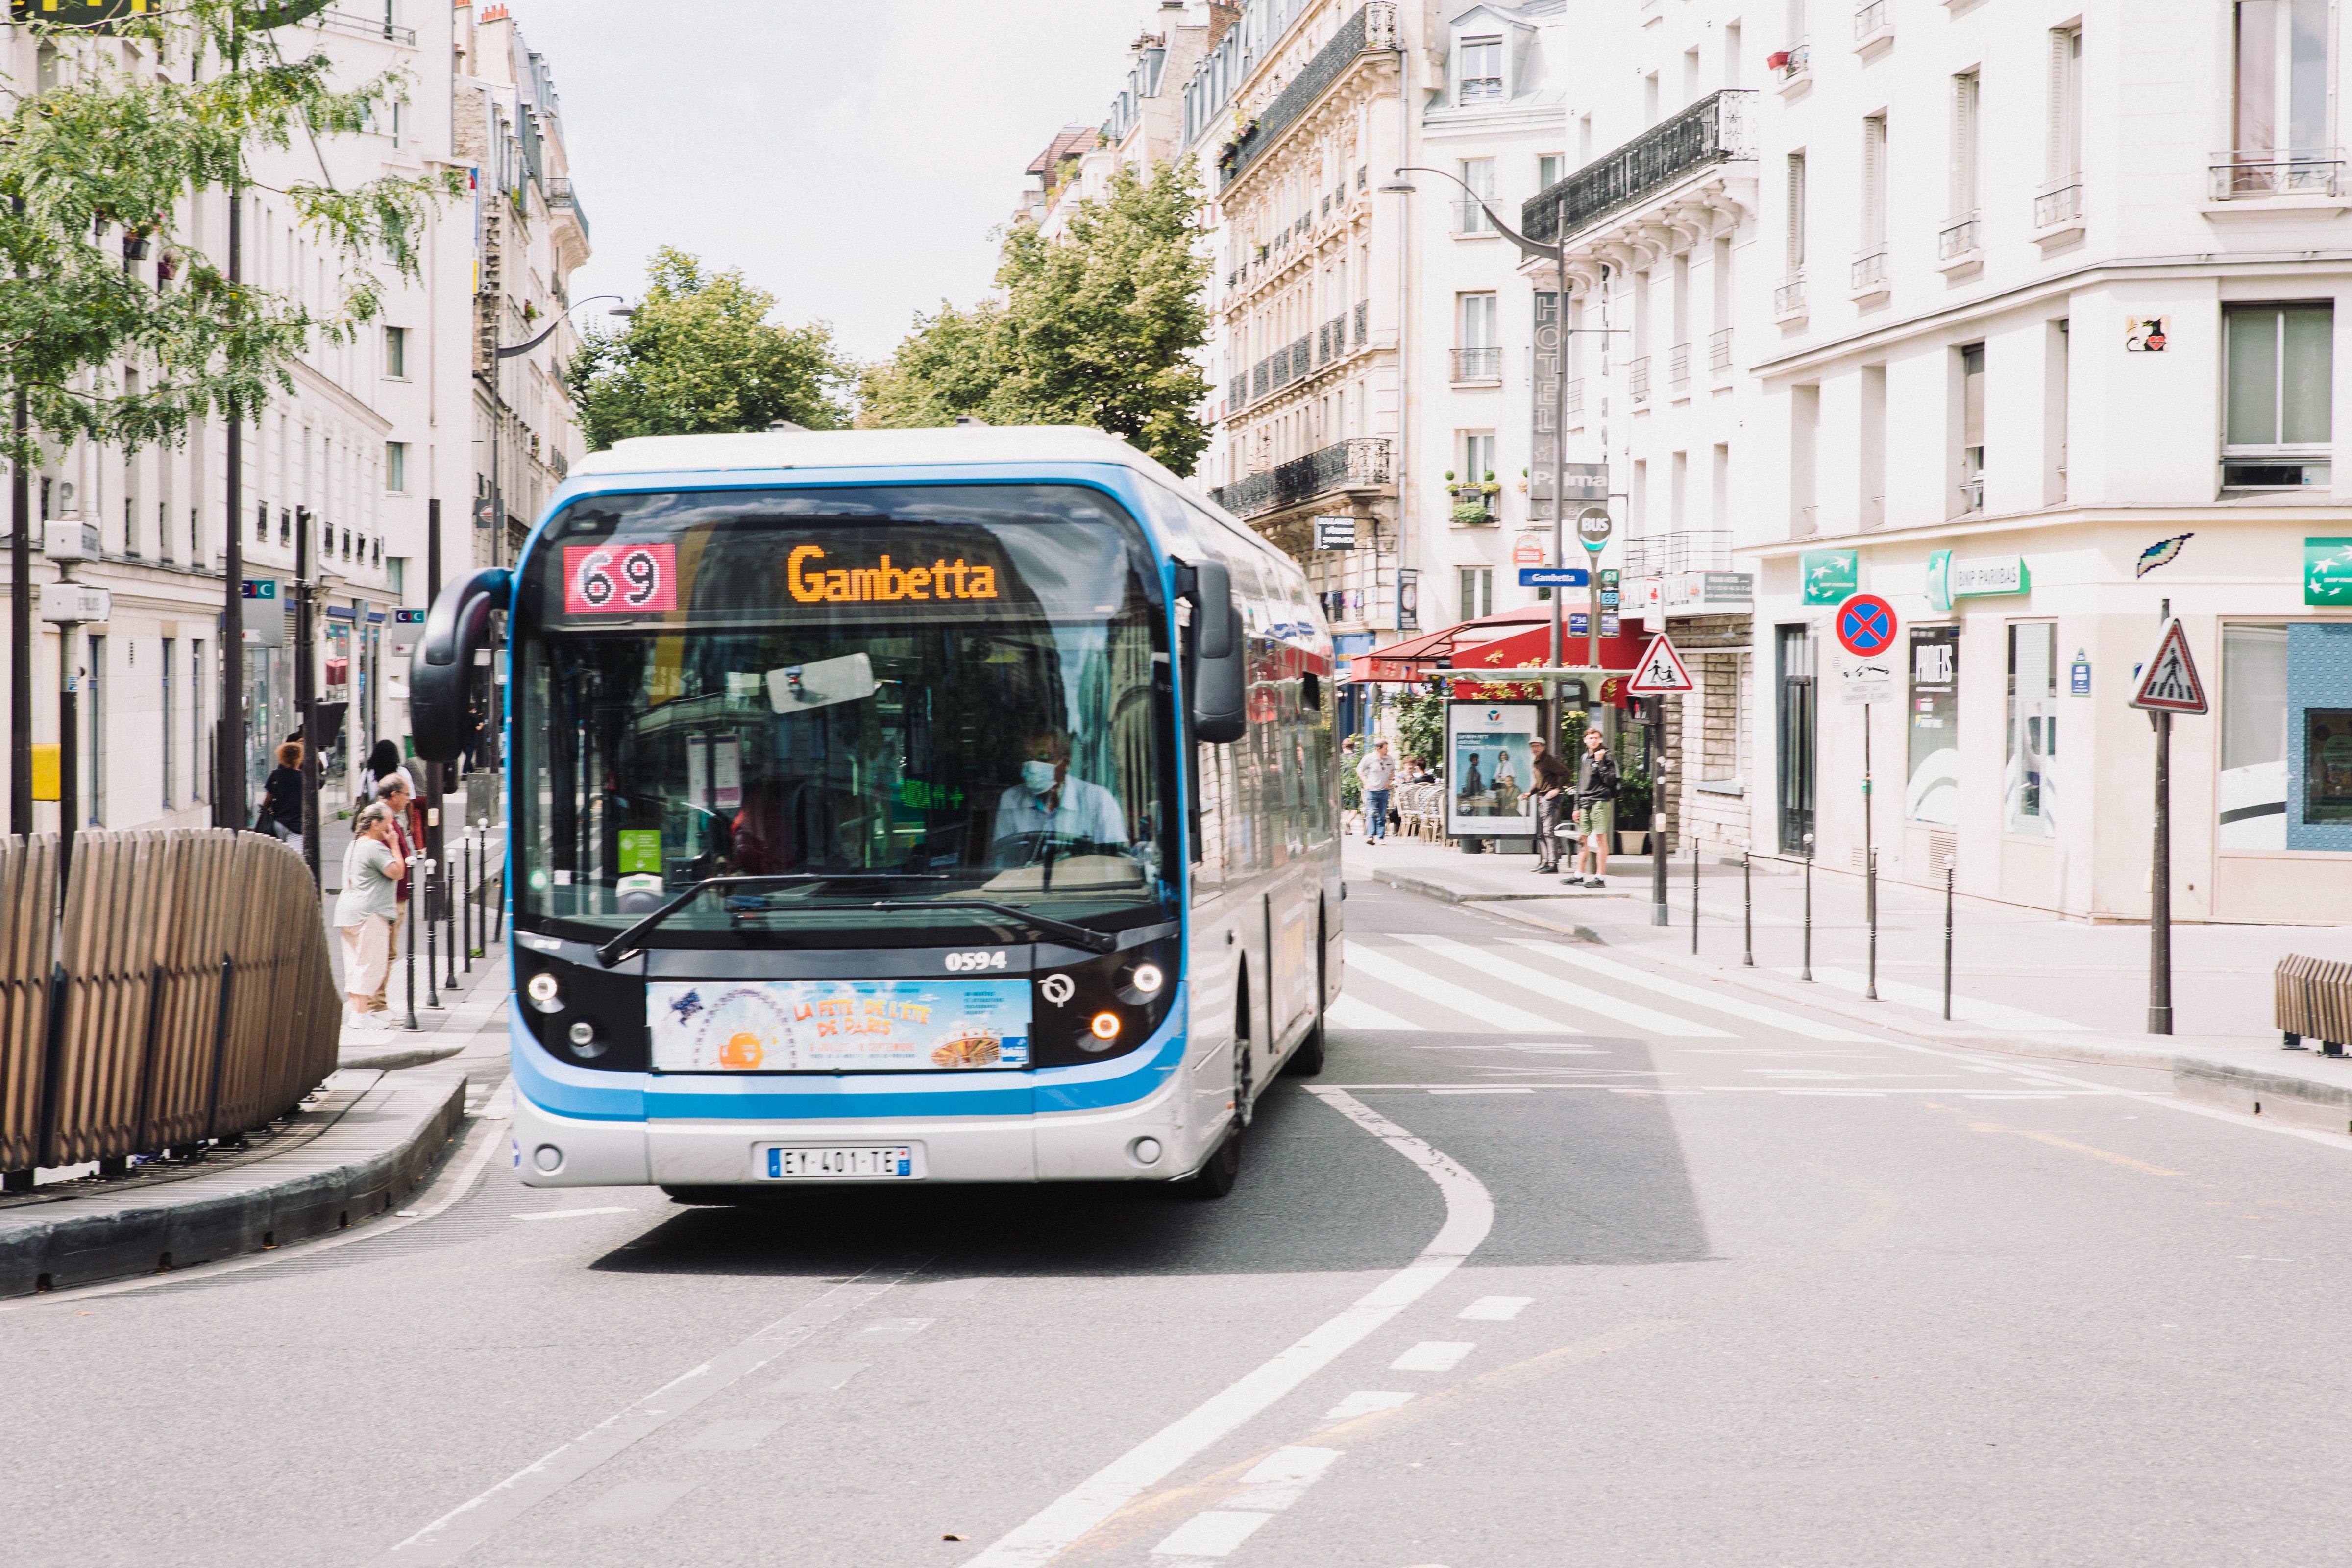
(837, 1026)
(1489, 769)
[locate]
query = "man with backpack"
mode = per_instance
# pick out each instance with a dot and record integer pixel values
(1596, 802)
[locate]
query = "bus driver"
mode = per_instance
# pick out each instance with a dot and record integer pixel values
(1052, 805)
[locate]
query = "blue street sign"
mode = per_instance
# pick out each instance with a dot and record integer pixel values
(1553, 577)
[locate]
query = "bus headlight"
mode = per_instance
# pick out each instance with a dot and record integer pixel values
(1104, 1027)
(545, 994)
(584, 1043)
(1147, 978)
(1141, 985)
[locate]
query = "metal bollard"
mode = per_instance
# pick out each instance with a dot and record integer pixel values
(1693, 897)
(465, 909)
(432, 947)
(1808, 972)
(1870, 913)
(416, 913)
(1947, 944)
(1747, 908)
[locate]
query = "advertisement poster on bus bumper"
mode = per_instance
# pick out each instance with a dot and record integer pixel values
(1489, 770)
(837, 1026)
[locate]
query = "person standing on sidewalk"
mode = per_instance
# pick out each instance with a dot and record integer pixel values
(1596, 810)
(391, 794)
(1377, 774)
(1551, 784)
(281, 796)
(365, 912)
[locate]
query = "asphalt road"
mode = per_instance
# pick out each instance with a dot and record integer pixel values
(1549, 1267)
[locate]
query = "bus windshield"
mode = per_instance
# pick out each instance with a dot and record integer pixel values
(898, 704)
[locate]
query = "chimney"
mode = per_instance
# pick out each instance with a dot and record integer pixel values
(1221, 16)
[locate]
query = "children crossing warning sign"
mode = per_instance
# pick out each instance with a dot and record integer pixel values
(1661, 670)
(2169, 683)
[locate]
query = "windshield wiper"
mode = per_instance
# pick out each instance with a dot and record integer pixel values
(626, 945)
(1093, 941)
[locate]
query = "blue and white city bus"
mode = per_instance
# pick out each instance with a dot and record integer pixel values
(924, 805)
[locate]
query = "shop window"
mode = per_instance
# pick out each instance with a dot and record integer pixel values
(2029, 795)
(1931, 791)
(2318, 712)
(2279, 402)
(2326, 765)
(2251, 800)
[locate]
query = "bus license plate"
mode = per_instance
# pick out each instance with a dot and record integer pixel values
(850, 1161)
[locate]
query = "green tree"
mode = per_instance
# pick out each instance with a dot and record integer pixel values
(699, 356)
(135, 116)
(1099, 325)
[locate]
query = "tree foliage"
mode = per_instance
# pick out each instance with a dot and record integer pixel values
(1099, 325)
(700, 355)
(102, 158)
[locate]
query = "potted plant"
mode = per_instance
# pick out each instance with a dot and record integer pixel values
(1487, 486)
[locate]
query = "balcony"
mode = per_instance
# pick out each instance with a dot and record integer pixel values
(1363, 321)
(2058, 210)
(1718, 351)
(1575, 399)
(1711, 132)
(1358, 463)
(1637, 379)
(1972, 493)
(1372, 28)
(1791, 68)
(1789, 300)
(1477, 365)
(1873, 26)
(1331, 340)
(360, 26)
(562, 196)
(1867, 281)
(1236, 395)
(1960, 243)
(1689, 550)
(2257, 175)
(1678, 366)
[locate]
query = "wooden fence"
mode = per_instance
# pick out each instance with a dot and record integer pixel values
(183, 994)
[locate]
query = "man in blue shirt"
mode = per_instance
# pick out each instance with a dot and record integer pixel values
(1047, 800)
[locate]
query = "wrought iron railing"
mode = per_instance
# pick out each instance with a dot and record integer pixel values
(1797, 62)
(1238, 392)
(1869, 270)
(1718, 350)
(1789, 298)
(1871, 18)
(1715, 130)
(1477, 365)
(1363, 321)
(2243, 175)
(1959, 237)
(1637, 379)
(2061, 203)
(364, 26)
(1358, 463)
(1361, 32)
(1687, 550)
(1678, 364)
(560, 193)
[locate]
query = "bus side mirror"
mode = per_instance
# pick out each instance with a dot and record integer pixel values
(1213, 673)
(441, 675)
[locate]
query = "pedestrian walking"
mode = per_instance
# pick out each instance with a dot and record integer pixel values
(1596, 810)
(281, 796)
(1377, 774)
(392, 794)
(1551, 786)
(365, 912)
(383, 764)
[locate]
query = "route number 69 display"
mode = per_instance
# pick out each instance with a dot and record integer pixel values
(619, 579)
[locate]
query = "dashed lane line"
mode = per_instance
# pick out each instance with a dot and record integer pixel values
(1469, 1216)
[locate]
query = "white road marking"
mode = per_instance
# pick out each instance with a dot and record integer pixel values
(633, 1502)
(1736, 1006)
(816, 1377)
(1469, 1216)
(1461, 999)
(1364, 1402)
(1355, 1013)
(727, 1436)
(1497, 1309)
(570, 1213)
(891, 1330)
(1614, 1008)
(470, 1523)
(1433, 1355)
(1210, 1534)
(1967, 1009)
(1483, 1091)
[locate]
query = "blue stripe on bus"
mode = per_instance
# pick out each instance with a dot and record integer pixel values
(567, 1090)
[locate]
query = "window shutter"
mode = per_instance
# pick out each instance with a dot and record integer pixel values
(1964, 145)
(1796, 213)
(2062, 108)
(1874, 182)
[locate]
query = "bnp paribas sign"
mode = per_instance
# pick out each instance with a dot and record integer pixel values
(2327, 570)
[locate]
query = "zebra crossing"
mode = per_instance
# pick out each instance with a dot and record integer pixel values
(1542, 1016)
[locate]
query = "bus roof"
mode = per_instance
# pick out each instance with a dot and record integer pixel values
(974, 444)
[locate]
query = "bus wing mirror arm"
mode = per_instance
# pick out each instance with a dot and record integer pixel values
(441, 675)
(1214, 672)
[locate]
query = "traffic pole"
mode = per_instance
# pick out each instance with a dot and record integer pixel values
(1694, 896)
(1947, 944)
(1657, 717)
(1870, 910)
(425, 911)
(2159, 910)
(1808, 972)
(415, 911)
(1747, 908)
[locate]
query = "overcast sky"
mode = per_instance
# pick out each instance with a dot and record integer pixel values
(851, 157)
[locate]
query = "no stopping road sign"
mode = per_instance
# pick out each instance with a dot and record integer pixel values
(1866, 626)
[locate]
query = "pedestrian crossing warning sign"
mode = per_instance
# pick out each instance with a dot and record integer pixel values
(2169, 683)
(1661, 670)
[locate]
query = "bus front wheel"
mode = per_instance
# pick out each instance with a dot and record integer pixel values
(1216, 1177)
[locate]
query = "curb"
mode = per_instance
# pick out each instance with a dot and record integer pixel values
(381, 1149)
(394, 1059)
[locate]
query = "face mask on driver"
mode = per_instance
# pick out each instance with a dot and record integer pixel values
(1037, 776)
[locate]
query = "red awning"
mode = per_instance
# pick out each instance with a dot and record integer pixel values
(1508, 641)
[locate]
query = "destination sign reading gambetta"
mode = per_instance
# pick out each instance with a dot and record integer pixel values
(812, 575)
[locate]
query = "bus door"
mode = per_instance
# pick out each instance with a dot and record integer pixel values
(1287, 899)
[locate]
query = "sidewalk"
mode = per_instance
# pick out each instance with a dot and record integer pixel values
(2022, 981)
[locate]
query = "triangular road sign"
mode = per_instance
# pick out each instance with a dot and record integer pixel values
(1661, 670)
(2169, 683)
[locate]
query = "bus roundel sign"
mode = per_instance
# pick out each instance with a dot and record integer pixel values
(1866, 626)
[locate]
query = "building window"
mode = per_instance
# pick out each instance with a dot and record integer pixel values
(1794, 258)
(395, 466)
(2280, 404)
(2280, 102)
(1481, 78)
(1972, 426)
(2251, 800)
(1966, 92)
(395, 352)
(1477, 591)
(197, 719)
(1478, 173)
(2028, 792)
(1550, 169)
(1479, 356)
(2065, 166)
